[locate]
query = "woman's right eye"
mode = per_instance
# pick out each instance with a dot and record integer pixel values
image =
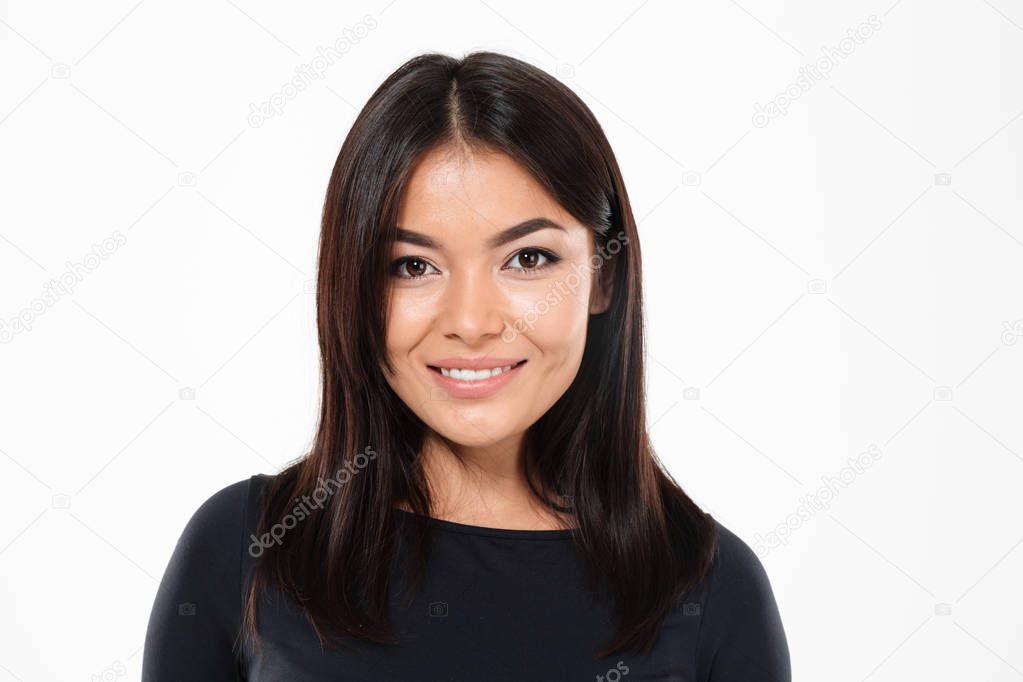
(411, 267)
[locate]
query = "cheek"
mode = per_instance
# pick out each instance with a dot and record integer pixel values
(556, 320)
(407, 320)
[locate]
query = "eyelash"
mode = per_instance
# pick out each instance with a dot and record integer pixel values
(551, 259)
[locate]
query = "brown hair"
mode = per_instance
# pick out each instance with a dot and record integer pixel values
(643, 540)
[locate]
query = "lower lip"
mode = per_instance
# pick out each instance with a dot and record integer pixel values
(457, 388)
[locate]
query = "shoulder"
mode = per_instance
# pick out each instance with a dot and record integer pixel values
(197, 609)
(221, 512)
(209, 546)
(226, 515)
(741, 632)
(737, 570)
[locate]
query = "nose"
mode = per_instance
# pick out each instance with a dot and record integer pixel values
(471, 307)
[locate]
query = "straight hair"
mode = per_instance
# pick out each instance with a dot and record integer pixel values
(643, 541)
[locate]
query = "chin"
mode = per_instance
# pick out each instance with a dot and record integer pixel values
(473, 429)
(470, 436)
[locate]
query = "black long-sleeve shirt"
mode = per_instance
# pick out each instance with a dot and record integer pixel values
(495, 604)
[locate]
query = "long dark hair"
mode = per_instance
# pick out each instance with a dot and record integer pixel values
(643, 540)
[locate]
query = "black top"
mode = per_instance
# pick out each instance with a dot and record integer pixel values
(495, 604)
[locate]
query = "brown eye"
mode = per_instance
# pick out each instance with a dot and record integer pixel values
(529, 260)
(411, 268)
(414, 267)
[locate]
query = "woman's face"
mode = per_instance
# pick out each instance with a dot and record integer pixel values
(469, 293)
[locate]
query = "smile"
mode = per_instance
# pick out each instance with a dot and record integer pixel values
(466, 382)
(466, 374)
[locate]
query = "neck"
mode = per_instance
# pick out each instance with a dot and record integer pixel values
(484, 485)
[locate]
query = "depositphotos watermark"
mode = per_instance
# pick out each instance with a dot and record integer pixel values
(614, 674)
(571, 282)
(113, 672)
(1012, 332)
(818, 500)
(813, 72)
(74, 272)
(325, 58)
(321, 493)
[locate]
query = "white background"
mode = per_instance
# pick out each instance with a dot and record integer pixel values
(844, 279)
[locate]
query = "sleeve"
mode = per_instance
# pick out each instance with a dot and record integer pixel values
(196, 614)
(741, 635)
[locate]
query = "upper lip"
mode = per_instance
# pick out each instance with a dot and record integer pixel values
(485, 362)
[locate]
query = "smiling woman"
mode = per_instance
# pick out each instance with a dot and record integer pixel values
(472, 276)
(481, 500)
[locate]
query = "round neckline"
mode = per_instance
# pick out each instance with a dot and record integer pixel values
(486, 531)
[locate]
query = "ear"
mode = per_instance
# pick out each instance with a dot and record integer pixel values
(600, 294)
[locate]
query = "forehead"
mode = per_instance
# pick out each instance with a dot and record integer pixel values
(474, 194)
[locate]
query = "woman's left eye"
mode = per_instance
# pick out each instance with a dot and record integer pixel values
(530, 260)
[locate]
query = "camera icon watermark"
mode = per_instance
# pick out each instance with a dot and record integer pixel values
(692, 178)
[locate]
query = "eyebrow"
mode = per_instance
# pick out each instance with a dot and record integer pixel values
(500, 239)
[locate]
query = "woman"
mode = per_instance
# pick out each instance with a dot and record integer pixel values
(481, 501)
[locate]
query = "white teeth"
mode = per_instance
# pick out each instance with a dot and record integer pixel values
(473, 374)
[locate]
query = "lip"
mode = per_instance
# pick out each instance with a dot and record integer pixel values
(457, 388)
(484, 362)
